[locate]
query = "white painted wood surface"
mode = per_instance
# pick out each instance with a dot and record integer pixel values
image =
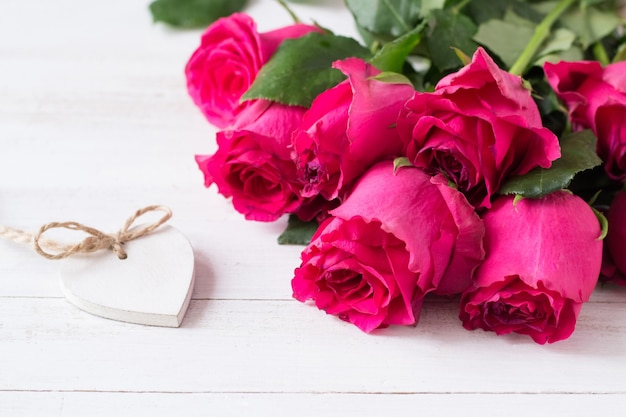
(95, 123)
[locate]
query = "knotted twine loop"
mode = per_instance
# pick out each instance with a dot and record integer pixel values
(98, 240)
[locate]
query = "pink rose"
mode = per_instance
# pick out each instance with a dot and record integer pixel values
(394, 239)
(230, 55)
(543, 260)
(348, 129)
(253, 165)
(596, 99)
(614, 263)
(479, 127)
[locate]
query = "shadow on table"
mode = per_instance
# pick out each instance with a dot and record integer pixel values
(203, 287)
(600, 331)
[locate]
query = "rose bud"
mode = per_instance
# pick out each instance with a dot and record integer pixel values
(596, 100)
(542, 262)
(478, 127)
(230, 55)
(396, 238)
(348, 129)
(252, 163)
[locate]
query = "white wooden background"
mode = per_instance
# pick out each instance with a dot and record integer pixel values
(95, 123)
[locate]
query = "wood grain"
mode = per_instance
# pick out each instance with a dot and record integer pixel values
(285, 346)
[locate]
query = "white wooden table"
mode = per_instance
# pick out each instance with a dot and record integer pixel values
(95, 123)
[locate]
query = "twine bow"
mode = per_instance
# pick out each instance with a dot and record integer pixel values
(97, 241)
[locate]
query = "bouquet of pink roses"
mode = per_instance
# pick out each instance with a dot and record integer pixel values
(472, 148)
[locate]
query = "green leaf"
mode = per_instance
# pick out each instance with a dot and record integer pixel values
(447, 30)
(572, 54)
(590, 24)
(301, 69)
(506, 39)
(297, 232)
(428, 6)
(385, 17)
(483, 10)
(368, 37)
(560, 39)
(392, 55)
(578, 153)
(193, 13)
(560, 46)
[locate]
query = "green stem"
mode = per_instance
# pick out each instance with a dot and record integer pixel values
(542, 31)
(294, 17)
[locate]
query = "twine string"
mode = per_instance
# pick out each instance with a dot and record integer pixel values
(97, 240)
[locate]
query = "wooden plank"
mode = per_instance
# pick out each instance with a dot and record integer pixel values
(80, 404)
(284, 346)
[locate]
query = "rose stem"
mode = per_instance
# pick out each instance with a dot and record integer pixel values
(542, 31)
(294, 17)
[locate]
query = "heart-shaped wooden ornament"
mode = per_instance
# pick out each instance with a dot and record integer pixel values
(152, 286)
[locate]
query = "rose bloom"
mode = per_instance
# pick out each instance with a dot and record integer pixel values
(396, 238)
(614, 261)
(479, 127)
(253, 165)
(348, 129)
(542, 263)
(596, 99)
(230, 55)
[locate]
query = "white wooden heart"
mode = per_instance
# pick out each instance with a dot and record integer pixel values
(152, 286)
